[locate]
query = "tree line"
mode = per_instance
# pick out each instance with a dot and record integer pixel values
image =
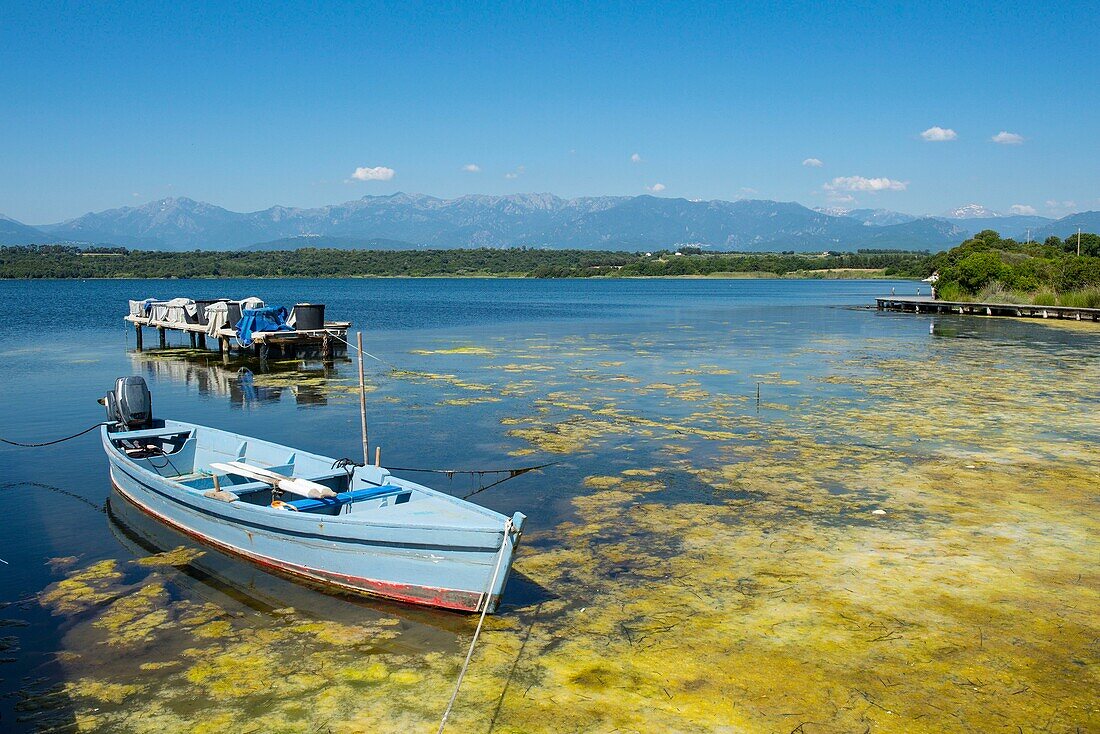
(62, 261)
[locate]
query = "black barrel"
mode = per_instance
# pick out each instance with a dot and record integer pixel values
(309, 316)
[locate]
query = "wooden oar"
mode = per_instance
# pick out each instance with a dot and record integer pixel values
(301, 486)
(294, 485)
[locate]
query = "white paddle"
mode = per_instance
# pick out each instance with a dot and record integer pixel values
(294, 485)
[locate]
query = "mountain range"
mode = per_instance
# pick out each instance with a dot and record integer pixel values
(537, 220)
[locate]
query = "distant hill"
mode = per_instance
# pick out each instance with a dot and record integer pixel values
(967, 220)
(1066, 226)
(536, 220)
(649, 222)
(1007, 225)
(871, 217)
(17, 233)
(403, 221)
(322, 242)
(168, 224)
(971, 211)
(928, 232)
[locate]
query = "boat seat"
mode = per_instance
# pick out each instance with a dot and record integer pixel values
(343, 498)
(206, 481)
(147, 433)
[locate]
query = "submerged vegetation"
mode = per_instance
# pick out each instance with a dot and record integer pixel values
(57, 261)
(990, 269)
(844, 550)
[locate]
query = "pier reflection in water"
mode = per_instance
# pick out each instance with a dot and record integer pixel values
(237, 381)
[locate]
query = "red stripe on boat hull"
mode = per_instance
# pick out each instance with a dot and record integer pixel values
(452, 599)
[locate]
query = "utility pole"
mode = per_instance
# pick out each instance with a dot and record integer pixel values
(1078, 242)
(1029, 235)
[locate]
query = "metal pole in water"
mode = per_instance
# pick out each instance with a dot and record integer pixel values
(362, 399)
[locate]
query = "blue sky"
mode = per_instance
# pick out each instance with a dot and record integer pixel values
(106, 105)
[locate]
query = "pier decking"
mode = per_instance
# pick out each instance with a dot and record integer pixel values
(287, 343)
(919, 304)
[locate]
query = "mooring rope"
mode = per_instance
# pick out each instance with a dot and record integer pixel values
(488, 598)
(514, 472)
(51, 488)
(51, 443)
(365, 353)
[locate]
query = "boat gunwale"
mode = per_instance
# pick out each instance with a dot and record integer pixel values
(339, 520)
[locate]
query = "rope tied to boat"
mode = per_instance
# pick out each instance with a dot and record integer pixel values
(484, 601)
(348, 464)
(55, 441)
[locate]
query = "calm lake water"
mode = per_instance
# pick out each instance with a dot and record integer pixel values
(771, 507)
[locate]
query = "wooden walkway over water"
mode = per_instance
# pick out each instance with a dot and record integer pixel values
(925, 304)
(325, 342)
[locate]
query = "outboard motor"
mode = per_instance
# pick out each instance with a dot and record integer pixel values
(129, 405)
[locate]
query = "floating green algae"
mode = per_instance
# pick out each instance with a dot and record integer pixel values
(469, 349)
(180, 556)
(471, 401)
(133, 618)
(450, 379)
(895, 539)
(84, 589)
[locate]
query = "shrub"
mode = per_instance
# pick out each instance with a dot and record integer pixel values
(977, 269)
(992, 269)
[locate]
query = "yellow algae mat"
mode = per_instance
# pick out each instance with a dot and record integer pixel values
(889, 539)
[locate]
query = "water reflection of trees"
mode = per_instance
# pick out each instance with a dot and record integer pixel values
(236, 381)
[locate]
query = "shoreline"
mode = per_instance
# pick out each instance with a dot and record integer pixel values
(509, 276)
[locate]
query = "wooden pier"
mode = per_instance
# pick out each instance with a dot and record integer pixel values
(927, 305)
(326, 341)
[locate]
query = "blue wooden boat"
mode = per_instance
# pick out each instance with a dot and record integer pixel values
(355, 529)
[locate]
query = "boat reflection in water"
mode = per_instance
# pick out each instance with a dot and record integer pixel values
(302, 379)
(211, 576)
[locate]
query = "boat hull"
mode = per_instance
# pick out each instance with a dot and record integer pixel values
(448, 568)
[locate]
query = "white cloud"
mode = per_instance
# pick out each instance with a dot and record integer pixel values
(1007, 138)
(1022, 209)
(471, 168)
(813, 163)
(937, 134)
(636, 158)
(656, 188)
(378, 173)
(511, 175)
(860, 183)
(1061, 208)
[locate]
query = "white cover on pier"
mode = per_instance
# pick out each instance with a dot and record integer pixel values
(176, 311)
(141, 308)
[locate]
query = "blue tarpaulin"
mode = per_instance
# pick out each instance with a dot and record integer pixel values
(269, 318)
